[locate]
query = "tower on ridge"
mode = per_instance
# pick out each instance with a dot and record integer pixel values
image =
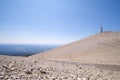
(101, 29)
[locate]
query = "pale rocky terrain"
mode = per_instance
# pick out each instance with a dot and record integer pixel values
(18, 68)
(102, 48)
(94, 58)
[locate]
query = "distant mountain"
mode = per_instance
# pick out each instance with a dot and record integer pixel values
(99, 48)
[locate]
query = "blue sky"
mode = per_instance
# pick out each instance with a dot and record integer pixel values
(55, 21)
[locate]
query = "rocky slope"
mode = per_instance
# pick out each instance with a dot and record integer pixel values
(18, 68)
(103, 48)
(94, 58)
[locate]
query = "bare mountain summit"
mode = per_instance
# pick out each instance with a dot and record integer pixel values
(102, 48)
(97, 58)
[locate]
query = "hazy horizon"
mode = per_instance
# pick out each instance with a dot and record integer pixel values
(55, 22)
(24, 50)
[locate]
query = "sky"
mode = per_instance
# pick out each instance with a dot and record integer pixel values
(55, 21)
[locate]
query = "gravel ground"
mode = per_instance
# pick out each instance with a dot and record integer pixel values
(18, 68)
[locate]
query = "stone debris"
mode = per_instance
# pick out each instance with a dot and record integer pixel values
(23, 69)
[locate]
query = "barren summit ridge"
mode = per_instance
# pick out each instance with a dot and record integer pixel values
(54, 64)
(101, 48)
